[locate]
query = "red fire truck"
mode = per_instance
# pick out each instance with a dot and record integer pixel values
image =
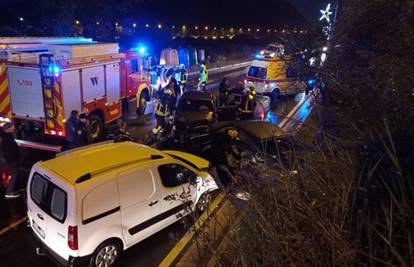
(40, 94)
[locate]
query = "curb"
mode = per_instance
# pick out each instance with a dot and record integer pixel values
(185, 240)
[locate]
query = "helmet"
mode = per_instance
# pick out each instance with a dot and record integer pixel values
(232, 133)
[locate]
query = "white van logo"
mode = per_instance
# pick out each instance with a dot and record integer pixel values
(94, 81)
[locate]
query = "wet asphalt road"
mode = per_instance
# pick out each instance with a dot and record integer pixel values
(17, 247)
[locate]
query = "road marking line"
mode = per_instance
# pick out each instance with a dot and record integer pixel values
(12, 225)
(182, 244)
(293, 111)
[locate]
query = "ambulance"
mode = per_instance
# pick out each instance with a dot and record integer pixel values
(274, 76)
(42, 89)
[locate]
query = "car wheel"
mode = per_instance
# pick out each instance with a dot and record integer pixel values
(96, 127)
(142, 104)
(275, 94)
(204, 202)
(106, 254)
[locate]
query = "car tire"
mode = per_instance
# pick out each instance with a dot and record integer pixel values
(204, 202)
(106, 254)
(96, 127)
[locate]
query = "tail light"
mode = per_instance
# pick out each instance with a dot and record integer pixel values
(73, 237)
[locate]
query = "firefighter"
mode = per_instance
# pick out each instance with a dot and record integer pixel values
(203, 77)
(248, 103)
(165, 107)
(224, 92)
(182, 77)
(11, 154)
(70, 129)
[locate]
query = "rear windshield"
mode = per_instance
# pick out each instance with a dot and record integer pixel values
(195, 105)
(49, 197)
(257, 72)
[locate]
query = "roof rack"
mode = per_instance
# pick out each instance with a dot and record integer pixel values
(64, 153)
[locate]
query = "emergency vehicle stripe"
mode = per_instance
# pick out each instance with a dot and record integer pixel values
(5, 108)
(58, 104)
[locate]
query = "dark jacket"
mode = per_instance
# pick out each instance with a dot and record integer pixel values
(70, 130)
(82, 137)
(9, 147)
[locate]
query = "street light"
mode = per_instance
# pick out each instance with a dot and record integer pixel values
(77, 22)
(21, 19)
(159, 26)
(147, 25)
(134, 25)
(206, 28)
(97, 23)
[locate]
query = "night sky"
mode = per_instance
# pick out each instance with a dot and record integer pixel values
(310, 8)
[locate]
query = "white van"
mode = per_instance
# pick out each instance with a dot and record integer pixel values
(88, 205)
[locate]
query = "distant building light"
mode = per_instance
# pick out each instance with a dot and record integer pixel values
(97, 23)
(147, 25)
(249, 29)
(215, 28)
(116, 23)
(159, 26)
(275, 30)
(258, 30)
(173, 26)
(240, 29)
(21, 19)
(196, 27)
(183, 27)
(77, 22)
(206, 28)
(134, 25)
(268, 30)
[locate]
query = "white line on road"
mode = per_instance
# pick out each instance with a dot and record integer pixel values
(13, 225)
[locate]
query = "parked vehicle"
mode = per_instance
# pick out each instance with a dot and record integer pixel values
(89, 213)
(274, 76)
(93, 77)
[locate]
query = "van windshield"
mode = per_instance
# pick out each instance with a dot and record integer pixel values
(47, 196)
(257, 72)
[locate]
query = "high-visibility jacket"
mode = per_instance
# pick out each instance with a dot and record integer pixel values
(166, 102)
(247, 104)
(203, 73)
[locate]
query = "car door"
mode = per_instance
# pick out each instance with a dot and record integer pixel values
(177, 191)
(140, 204)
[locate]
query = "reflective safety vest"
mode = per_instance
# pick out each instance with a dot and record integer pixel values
(247, 104)
(165, 103)
(203, 73)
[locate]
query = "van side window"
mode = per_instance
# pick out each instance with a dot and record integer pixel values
(257, 72)
(173, 175)
(134, 65)
(135, 186)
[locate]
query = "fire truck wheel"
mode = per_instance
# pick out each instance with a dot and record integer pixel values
(96, 127)
(142, 104)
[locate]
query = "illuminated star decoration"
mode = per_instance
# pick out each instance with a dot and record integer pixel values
(326, 14)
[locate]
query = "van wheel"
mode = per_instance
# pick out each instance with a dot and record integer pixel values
(275, 94)
(204, 202)
(106, 254)
(96, 127)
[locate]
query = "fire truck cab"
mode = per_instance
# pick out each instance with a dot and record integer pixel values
(93, 78)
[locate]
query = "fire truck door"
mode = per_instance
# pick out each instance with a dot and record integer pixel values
(113, 90)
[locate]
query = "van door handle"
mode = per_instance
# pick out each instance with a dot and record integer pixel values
(153, 203)
(40, 217)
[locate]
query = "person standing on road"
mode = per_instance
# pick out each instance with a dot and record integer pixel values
(83, 135)
(70, 129)
(224, 92)
(165, 107)
(203, 77)
(11, 154)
